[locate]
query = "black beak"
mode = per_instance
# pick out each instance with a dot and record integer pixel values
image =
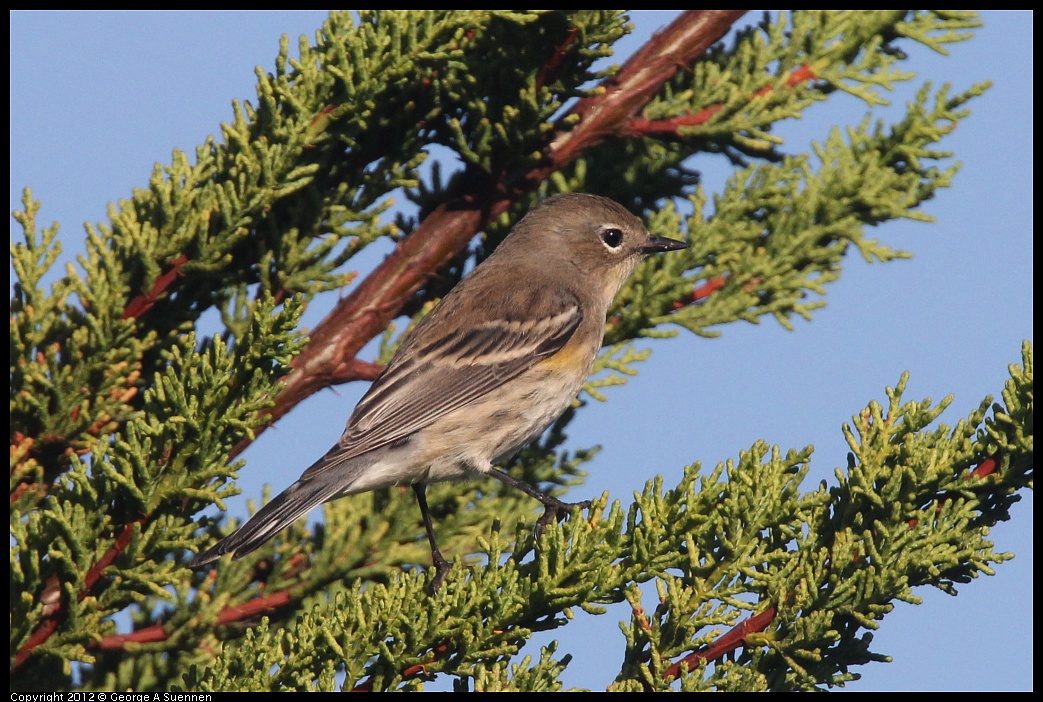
(659, 244)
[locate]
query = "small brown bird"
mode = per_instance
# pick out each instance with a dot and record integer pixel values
(484, 373)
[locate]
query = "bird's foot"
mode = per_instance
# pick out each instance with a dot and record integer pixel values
(555, 511)
(442, 568)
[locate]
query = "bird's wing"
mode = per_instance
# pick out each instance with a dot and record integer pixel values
(445, 372)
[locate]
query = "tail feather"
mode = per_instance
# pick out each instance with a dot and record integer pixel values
(272, 518)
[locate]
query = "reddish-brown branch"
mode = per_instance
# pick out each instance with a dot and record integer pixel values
(701, 292)
(61, 610)
(607, 113)
(554, 63)
(733, 639)
(229, 615)
(141, 304)
(417, 670)
(985, 468)
(329, 357)
(736, 636)
(640, 126)
(364, 370)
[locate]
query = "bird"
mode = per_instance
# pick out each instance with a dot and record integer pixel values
(484, 373)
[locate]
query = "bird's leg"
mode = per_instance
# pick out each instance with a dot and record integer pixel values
(553, 508)
(442, 566)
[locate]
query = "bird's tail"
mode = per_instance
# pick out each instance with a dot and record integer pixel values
(272, 518)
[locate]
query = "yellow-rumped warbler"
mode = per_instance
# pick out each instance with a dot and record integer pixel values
(484, 373)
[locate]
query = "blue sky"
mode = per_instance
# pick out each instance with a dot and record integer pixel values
(98, 98)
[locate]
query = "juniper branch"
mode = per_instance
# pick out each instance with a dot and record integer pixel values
(329, 357)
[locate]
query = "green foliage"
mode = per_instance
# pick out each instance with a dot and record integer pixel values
(718, 546)
(127, 405)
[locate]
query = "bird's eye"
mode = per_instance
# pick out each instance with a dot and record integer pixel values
(612, 237)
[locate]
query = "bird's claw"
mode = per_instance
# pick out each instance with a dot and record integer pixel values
(442, 568)
(555, 512)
